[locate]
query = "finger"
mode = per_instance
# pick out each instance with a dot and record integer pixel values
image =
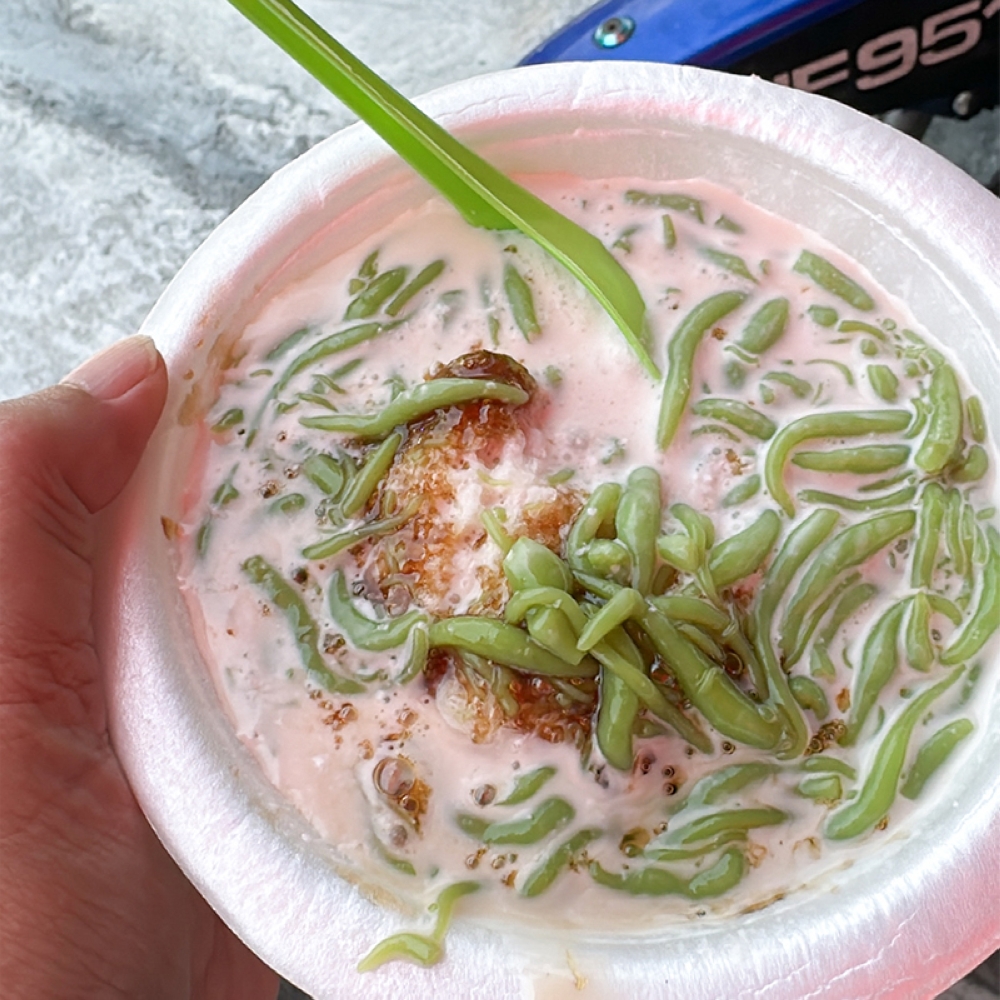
(82, 438)
(225, 969)
(65, 453)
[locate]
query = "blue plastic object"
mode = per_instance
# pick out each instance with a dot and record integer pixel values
(711, 33)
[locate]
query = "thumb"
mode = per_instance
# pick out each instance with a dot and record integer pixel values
(65, 453)
(81, 440)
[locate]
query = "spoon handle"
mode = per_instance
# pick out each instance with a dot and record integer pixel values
(483, 195)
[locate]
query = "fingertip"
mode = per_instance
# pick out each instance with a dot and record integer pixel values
(119, 368)
(127, 385)
(137, 410)
(88, 432)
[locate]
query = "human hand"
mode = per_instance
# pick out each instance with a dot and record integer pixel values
(91, 905)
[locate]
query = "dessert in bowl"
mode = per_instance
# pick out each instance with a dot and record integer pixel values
(427, 586)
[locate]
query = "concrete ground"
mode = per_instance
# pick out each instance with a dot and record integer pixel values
(973, 145)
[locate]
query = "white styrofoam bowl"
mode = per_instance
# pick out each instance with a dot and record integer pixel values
(907, 921)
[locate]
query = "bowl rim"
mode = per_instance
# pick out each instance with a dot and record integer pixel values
(878, 942)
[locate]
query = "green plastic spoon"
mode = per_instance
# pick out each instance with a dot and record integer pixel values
(482, 194)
